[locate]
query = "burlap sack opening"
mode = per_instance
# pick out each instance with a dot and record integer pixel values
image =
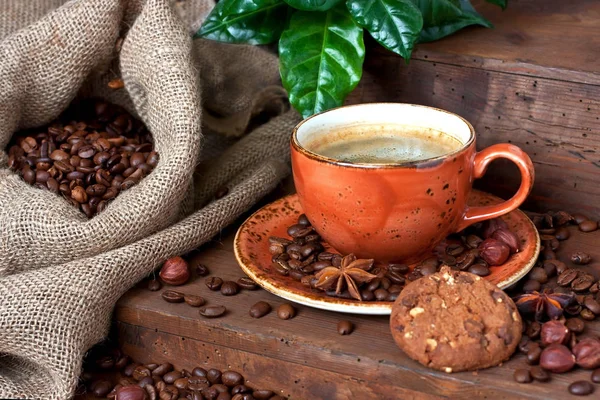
(60, 274)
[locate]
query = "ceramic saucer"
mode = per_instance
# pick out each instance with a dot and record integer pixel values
(251, 247)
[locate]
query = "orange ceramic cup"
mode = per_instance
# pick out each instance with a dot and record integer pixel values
(396, 212)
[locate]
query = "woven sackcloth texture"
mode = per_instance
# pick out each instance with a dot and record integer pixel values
(61, 273)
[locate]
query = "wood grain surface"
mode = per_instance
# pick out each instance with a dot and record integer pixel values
(304, 356)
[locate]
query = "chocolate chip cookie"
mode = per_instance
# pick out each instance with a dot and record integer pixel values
(455, 321)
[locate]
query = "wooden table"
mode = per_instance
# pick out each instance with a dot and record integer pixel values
(305, 357)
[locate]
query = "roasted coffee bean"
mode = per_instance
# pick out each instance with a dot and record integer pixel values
(581, 388)
(479, 269)
(575, 325)
(381, 294)
(579, 218)
(101, 388)
(171, 376)
(345, 327)
(588, 226)
(229, 288)
(562, 233)
(241, 389)
(525, 344)
(587, 315)
(169, 393)
(247, 283)
(128, 370)
(580, 258)
(522, 376)
(214, 283)
(106, 362)
(162, 369)
(140, 372)
(539, 374)
(172, 296)
(591, 304)
(428, 266)
(395, 289)
(531, 286)
(596, 376)
(538, 274)
(232, 378)
(299, 230)
(454, 249)
(303, 220)
(262, 394)
(286, 311)
(280, 268)
(399, 268)
(193, 300)
(325, 256)
(260, 309)
(199, 372)
(373, 285)
(566, 277)
(145, 381)
(212, 311)
(582, 283)
(121, 362)
(395, 277)
(534, 329)
(297, 275)
(154, 285)
(533, 355)
(214, 376)
(367, 295)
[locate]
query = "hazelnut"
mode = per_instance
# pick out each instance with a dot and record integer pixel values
(491, 225)
(132, 392)
(554, 332)
(494, 252)
(175, 271)
(587, 353)
(557, 358)
(507, 237)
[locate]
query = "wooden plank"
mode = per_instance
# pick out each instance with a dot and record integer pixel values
(556, 122)
(308, 346)
(552, 39)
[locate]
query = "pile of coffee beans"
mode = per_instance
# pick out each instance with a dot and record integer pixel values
(110, 374)
(556, 301)
(474, 250)
(94, 151)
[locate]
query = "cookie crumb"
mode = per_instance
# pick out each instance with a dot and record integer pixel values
(408, 335)
(416, 311)
(431, 344)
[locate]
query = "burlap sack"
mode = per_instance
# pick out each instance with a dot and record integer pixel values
(60, 274)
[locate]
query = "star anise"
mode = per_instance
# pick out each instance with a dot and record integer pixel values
(351, 273)
(544, 305)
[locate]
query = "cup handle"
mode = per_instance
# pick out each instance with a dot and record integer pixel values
(480, 164)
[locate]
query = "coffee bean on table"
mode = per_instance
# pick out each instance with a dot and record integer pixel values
(587, 315)
(533, 330)
(201, 270)
(286, 311)
(214, 283)
(193, 300)
(581, 388)
(212, 311)
(592, 305)
(232, 378)
(596, 376)
(172, 296)
(229, 288)
(214, 376)
(260, 309)
(566, 277)
(580, 258)
(154, 285)
(171, 377)
(199, 371)
(162, 369)
(582, 282)
(345, 327)
(522, 376)
(533, 355)
(588, 226)
(539, 374)
(538, 274)
(247, 283)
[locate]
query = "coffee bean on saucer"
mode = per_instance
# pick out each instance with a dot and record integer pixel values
(367, 295)
(286, 311)
(214, 283)
(399, 268)
(479, 269)
(247, 283)
(345, 327)
(172, 296)
(303, 220)
(154, 285)
(575, 325)
(539, 374)
(229, 288)
(260, 309)
(588, 226)
(428, 266)
(522, 376)
(581, 388)
(381, 294)
(194, 301)
(212, 311)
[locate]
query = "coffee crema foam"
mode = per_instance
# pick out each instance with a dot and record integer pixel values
(375, 144)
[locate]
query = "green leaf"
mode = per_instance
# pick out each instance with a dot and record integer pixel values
(320, 59)
(501, 3)
(395, 24)
(444, 17)
(312, 5)
(245, 21)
